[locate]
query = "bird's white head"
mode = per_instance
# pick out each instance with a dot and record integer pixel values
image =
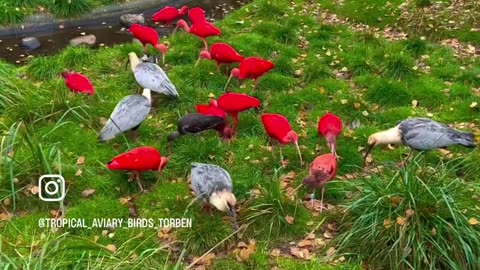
(148, 94)
(389, 136)
(223, 200)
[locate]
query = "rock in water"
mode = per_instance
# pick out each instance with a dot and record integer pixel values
(128, 19)
(30, 43)
(87, 40)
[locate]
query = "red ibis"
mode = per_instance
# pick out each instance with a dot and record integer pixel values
(330, 127)
(221, 53)
(138, 160)
(250, 68)
(196, 14)
(147, 35)
(322, 170)
(278, 128)
(201, 29)
(169, 14)
(213, 185)
(78, 83)
(234, 103)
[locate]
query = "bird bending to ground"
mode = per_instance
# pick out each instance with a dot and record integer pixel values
(195, 122)
(234, 103)
(250, 68)
(169, 14)
(196, 14)
(213, 184)
(147, 35)
(322, 170)
(138, 160)
(78, 83)
(151, 76)
(221, 53)
(209, 109)
(330, 127)
(420, 134)
(129, 114)
(201, 29)
(278, 128)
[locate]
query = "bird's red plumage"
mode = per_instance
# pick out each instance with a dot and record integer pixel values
(204, 29)
(78, 83)
(276, 126)
(139, 159)
(196, 14)
(167, 14)
(322, 170)
(146, 35)
(224, 54)
(254, 67)
(329, 125)
(210, 110)
(235, 102)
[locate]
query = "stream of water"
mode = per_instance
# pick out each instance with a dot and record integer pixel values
(107, 33)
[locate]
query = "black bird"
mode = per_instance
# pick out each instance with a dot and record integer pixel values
(195, 123)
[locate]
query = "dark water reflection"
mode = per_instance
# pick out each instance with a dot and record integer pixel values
(107, 33)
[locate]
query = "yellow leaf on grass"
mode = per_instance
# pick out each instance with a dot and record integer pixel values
(80, 160)
(401, 221)
(112, 248)
(289, 219)
(275, 252)
(473, 221)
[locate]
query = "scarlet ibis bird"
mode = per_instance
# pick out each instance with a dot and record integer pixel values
(196, 14)
(421, 134)
(213, 184)
(138, 160)
(250, 68)
(129, 114)
(151, 76)
(201, 29)
(168, 14)
(329, 127)
(234, 103)
(78, 83)
(278, 128)
(322, 170)
(147, 35)
(222, 54)
(209, 109)
(196, 122)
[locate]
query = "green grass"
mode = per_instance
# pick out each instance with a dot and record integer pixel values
(357, 76)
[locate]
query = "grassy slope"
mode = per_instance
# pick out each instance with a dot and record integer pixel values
(382, 72)
(15, 11)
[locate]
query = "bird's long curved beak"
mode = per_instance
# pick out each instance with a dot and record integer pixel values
(198, 61)
(299, 153)
(233, 214)
(228, 81)
(369, 149)
(175, 30)
(333, 149)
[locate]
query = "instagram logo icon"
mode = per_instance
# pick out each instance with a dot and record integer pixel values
(51, 188)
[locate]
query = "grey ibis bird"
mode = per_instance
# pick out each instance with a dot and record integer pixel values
(151, 76)
(129, 113)
(420, 134)
(213, 185)
(195, 122)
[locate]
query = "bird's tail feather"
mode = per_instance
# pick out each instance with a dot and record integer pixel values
(108, 132)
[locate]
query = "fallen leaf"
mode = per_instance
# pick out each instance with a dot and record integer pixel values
(331, 252)
(305, 243)
(34, 190)
(124, 201)
(104, 233)
(365, 113)
(327, 235)
(95, 238)
(80, 160)
(87, 192)
(289, 219)
(7, 202)
(78, 173)
(103, 121)
(343, 101)
(275, 252)
(473, 221)
(243, 253)
(409, 213)
(414, 103)
(387, 223)
(5, 216)
(207, 259)
(473, 105)
(112, 248)
(356, 105)
(300, 253)
(401, 221)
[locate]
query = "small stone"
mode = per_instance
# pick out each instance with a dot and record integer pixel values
(30, 43)
(87, 40)
(128, 19)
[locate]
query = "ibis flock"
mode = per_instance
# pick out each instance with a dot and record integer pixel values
(211, 183)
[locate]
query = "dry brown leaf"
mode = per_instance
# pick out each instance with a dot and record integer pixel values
(207, 259)
(95, 238)
(310, 236)
(112, 248)
(87, 192)
(7, 202)
(473, 221)
(305, 243)
(34, 190)
(104, 233)
(414, 103)
(103, 121)
(300, 253)
(331, 252)
(434, 231)
(409, 213)
(387, 223)
(356, 105)
(275, 252)
(327, 235)
(243, 253)
(473, 105)
(289, 219)
(78, 173)
(401, 221)
(124, 201)
(80, 160)
(5, 216)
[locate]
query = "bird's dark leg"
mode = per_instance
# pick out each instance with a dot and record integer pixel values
(226, 68)
(206, 209)
(255, 84)
(131, 177)
(321, 199)
(404, 162)
(139, 182)
(218, 67)
(134, 133)
(282, 161)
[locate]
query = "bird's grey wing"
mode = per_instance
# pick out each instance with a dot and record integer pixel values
(151, 76)
(198, 177)
(426, 134)
(208, 178)
(130, 112)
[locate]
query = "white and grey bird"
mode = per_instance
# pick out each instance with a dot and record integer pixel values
(129, 114)
(151, 76)
(421, 134)
(212, 184)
